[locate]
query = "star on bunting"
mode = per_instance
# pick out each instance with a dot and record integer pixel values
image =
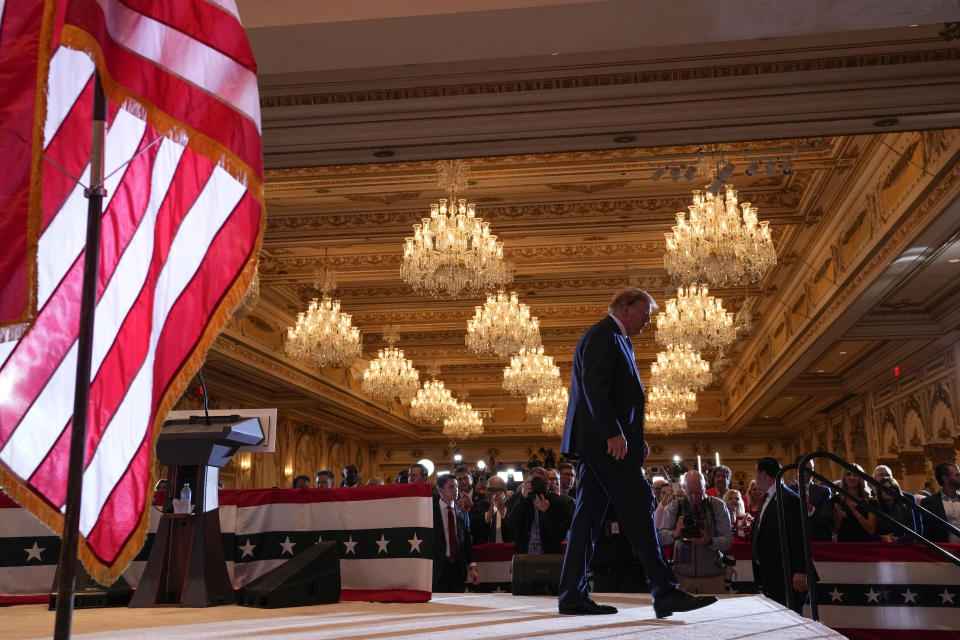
(34, 552)
(946, 596)
(415, 543)
(350, 544)
(835, 595)
(382, 543)
(873, 596)
(247, 549)
(287, 546)
(319, 540)
(909, 596)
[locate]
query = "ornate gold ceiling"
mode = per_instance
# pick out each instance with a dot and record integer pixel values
(578, 226)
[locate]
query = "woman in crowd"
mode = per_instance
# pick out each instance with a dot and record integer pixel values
(899, 512)
(740, 520)
(853, 522)
(754, 499)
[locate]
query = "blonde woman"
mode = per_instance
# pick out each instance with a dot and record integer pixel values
(754, 499)
(740, 520)
(853, 522)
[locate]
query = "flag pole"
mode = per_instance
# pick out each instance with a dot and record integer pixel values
(67, 563)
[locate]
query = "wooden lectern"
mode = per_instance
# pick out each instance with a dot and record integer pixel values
(187, 567)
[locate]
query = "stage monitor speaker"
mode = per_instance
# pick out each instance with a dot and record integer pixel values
(310, 577)
(90, 594)
(536, 574)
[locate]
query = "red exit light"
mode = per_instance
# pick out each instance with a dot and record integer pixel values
(896, 371)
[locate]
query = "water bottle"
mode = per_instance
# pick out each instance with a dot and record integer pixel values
(186, 494)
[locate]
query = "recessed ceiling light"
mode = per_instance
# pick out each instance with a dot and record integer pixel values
(766, 416)
(843, 353)
(886, 122)
(383, 153)
(556, 53)
(625, 139)
(954, 260)
(820, 371)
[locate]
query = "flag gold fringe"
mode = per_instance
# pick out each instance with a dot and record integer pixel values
(106, 572)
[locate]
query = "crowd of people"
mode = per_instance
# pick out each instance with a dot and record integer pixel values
(698, 515)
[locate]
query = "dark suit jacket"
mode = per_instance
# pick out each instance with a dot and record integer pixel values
(554, 522)
(464, 547)
(606, 395)
(767, 559)
(821, 522)
(932, 529)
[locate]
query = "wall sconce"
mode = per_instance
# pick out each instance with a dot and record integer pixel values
(245, 463)
(288, 471)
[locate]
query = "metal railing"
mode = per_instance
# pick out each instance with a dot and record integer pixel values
(805, 522)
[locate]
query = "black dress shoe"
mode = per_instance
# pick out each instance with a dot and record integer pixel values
(587, 608)
(680, 600)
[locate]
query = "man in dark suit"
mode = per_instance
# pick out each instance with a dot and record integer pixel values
(538, 523)
(604, 428)
(944, 503)
(451, 536)
(767, 558)
(819, 507)
(568, 479)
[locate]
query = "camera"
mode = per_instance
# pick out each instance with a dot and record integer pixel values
(537, 487)
(692, 522)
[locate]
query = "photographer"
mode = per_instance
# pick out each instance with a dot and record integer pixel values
(699, 528)
(538, 520)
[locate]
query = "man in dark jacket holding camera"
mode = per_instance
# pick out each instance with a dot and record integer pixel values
(538, 520)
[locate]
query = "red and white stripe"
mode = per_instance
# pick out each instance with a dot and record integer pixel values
(177, 230)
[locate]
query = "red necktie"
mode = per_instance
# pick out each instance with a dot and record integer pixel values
(452, 533)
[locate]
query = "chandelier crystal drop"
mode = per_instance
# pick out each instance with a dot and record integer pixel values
(502, 327)
(529, 371)
(464, 422)
(390, 375)
(720, 243)
(696, 319)
(432, 403)
(682, 400)
(680, 367)
(453, 253)
(323, 335)
(548, 402)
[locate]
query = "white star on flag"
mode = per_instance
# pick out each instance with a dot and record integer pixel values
(350, 544)
(319, 540)
(946, 596)
(909, 596)
(415, 543)
(287, 546)
(873, 596)
(34, 552)
(835, 595)
(382, 543)
(247, 549)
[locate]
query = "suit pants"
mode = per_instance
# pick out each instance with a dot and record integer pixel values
(452, 578)
(623, 484)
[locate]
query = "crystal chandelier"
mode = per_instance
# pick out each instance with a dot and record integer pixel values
(432, 403)
(464, 422)
(502, 327)
(390, 374)
(553, 424)
(680, 367)
(718, 244)
(682, 400)
(548, 402)
(530, 371)
(695, 319)
(322, 334)
(453, 252)
(661, 419)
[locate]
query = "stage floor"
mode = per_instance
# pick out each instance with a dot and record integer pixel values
(468, 616)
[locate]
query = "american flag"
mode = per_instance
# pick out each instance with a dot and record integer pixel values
(181, 227)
